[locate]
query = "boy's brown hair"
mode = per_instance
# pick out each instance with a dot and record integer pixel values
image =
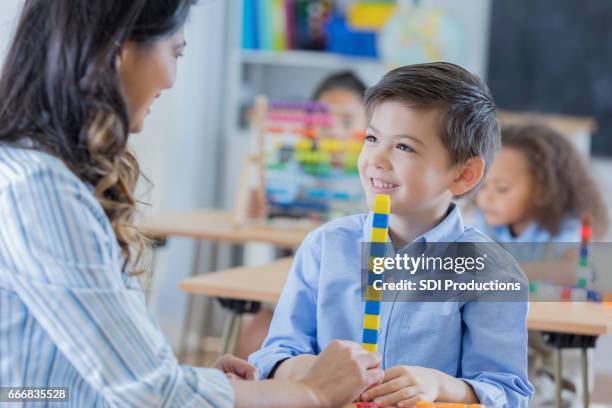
(468, 122)
(563, 185)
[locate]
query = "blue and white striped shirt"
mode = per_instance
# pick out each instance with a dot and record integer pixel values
(69, 316)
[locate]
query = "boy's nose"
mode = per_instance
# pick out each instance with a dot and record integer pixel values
(380, 161)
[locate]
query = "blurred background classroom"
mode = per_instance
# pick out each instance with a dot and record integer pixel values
(550, 59)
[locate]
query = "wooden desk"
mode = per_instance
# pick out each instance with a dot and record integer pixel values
(564, 124)
(217, 225)
(254, 283)
(591, 319)
(264, 284)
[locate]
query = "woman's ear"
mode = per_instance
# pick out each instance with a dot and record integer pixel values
(124, 52)
(468, 175)
(119, 56)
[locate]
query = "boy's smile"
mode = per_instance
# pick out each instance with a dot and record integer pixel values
(380, 186)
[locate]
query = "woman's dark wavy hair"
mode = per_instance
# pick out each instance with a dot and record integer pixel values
(563, 185)
(60, 90)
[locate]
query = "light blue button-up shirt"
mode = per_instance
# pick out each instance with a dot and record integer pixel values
(69, 316)
(569, 231)
(534, 243)
(483, 343)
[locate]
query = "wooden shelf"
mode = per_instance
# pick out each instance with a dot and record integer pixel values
(302, 58)
(564, 124)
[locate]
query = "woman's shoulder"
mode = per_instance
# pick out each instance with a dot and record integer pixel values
(18, 164)
(34, 172)
(52, 215)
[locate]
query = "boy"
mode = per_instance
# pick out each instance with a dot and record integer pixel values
(432, 133)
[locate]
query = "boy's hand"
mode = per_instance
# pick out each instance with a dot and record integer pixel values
(404, 386)
(236, 368)
(341, 372)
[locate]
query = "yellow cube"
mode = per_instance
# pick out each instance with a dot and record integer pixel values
(373, 294)
(370, 347)
(371, 322)
(379, 234)
(382, 204)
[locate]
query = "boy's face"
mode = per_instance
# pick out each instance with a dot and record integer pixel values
(404, 157)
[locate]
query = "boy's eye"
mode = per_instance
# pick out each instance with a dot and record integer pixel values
(371, 139)
(405, 148)
(502, 190)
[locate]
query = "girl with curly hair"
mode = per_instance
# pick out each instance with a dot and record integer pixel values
(533, 198)
(538, 188)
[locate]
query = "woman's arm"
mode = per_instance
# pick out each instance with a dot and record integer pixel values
(294, 368)
(64, 265)
(335, 378)
(274, 394)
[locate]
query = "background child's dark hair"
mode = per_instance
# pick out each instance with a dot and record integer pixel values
(468, 123)
(346, 80)
(562, 181)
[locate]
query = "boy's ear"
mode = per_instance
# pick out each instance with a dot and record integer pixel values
(468, 175)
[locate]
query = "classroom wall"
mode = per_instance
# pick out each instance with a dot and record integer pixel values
(9, 10)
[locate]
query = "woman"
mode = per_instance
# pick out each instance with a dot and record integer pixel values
(79, 76)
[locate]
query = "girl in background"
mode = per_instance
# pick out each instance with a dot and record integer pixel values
(343, 93)
(536, 191)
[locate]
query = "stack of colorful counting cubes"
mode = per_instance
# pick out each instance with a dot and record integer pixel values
(378, 248)
(585, 272)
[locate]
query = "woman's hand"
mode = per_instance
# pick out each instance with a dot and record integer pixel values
(236, 368)
(342, 372)
(404, 386)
